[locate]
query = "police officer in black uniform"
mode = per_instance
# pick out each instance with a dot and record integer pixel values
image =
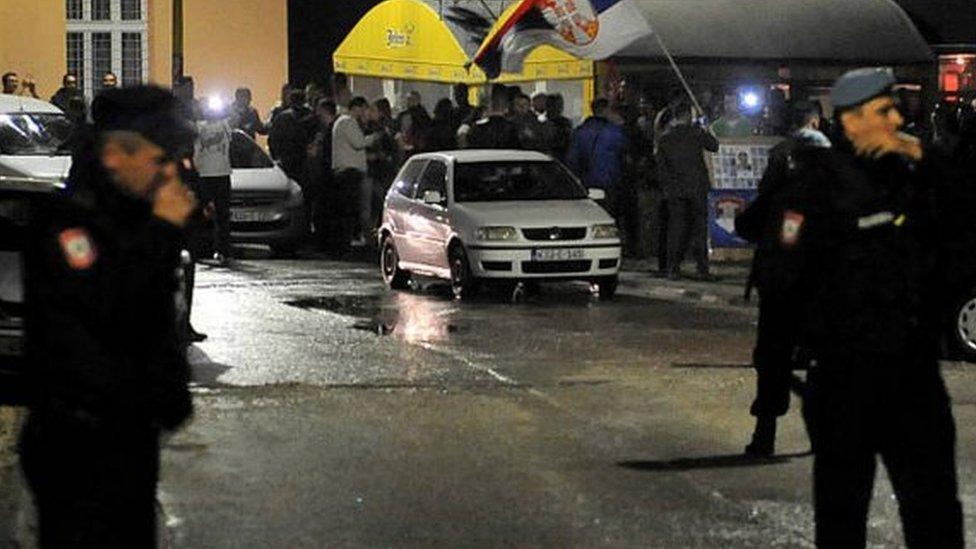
(776, 338)
(108, 369)
(877, 221)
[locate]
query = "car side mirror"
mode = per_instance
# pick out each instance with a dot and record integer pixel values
(433, 197)
(597, 194)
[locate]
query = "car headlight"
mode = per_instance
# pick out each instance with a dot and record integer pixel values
(606, 231)
(294, 194)
(497, 233)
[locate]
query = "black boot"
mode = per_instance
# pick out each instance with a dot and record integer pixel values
(763, 438)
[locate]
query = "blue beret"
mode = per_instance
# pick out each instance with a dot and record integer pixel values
(859, 86)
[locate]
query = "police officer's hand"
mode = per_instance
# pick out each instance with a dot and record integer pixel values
(173, 202)
(878, 144)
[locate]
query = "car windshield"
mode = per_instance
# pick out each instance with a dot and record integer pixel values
(31, 134)
(514, 181)
(245, 154)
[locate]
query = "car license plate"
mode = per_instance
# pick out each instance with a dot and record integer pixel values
(251, 216)
(11, 345)
(557, 254)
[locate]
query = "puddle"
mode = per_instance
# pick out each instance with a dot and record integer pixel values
(412, 318)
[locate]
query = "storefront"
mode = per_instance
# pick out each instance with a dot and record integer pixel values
(758, 55)
(416, 45)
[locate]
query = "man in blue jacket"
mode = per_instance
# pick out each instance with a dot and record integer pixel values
(596, 153)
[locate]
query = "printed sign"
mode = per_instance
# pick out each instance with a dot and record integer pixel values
(723, 206)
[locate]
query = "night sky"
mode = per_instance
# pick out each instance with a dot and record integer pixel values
(316, 27)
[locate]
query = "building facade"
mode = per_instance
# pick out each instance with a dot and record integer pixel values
(227, 44)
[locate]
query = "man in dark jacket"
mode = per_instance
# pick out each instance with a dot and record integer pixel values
(495, 131)
(880, 223)
(290, 135)
(685, 183)
(776, 336)
(596, 153)
(69, 89)
(109, 372)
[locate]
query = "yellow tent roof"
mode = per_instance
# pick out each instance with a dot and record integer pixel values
(408, 40)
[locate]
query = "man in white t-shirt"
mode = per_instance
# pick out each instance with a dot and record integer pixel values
(212, 158)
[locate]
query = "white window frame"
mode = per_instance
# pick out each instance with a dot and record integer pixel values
(115, 26)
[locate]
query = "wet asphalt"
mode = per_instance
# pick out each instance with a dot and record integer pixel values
(331, 412)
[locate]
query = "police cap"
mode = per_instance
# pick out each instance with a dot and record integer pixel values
(859, 86)
(150, 111)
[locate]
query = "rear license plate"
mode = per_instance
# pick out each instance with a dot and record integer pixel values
(251, 216)
(11, 346)
(557, 254)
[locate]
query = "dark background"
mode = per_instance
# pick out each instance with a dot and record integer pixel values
(317, 27)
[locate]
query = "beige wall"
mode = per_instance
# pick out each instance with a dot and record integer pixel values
(227, 44)
(33, 41)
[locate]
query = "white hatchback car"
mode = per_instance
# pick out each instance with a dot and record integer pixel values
(468, 216)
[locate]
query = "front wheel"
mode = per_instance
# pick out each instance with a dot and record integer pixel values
(464, 285)
(963, 336)
(394, 277)
(606, 287)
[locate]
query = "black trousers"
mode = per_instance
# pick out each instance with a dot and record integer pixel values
(862, 407)
(345, 207)
(688, 230)
(93, 486)
(217, 190)
(773, 357)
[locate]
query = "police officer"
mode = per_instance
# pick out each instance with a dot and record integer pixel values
(876, 220)
(109, 371)
(776, 338)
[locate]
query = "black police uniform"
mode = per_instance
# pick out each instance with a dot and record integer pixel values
(877, 239)
(109, 372)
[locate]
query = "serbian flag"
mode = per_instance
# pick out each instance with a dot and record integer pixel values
(588, 29)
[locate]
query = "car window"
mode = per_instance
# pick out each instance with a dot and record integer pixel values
(34, 134)
(434, 179)
(406, 183)
(245, 154)
(508, 181)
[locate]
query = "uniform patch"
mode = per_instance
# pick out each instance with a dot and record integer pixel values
(790, 232)
(79, 251)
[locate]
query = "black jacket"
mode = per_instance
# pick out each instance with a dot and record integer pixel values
(887, 245)
(681, 166)
(494, 132)
(102, 339)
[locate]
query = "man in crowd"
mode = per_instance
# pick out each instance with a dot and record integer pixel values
(494, 131)
(68, 89)
(110, 81)
(290, 134)
(319, 190)
(684, 181)
(109, 371)
(596, 153)
(13, 85)
(349, 168)
(879, 226)
(212, 160)
(244, 117)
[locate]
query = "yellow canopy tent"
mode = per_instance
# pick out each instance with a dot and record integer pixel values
(418, 40)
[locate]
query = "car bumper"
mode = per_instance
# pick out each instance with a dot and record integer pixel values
(268, 225)
(516, 262)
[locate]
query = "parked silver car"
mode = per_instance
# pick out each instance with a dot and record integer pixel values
(266, 207)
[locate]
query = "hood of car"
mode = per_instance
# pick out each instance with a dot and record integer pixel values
(268, 180)
(46, 167)
(543, 213)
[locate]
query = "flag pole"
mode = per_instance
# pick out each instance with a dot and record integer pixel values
(677, 70)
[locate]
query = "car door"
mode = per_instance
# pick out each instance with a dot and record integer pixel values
(431, 221)
(399, 203)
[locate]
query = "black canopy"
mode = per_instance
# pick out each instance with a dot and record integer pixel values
(843, 31)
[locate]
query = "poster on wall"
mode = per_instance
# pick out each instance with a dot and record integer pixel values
(735, 171)
(723, 206)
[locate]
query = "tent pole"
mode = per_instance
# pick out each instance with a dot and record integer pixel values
(677, 71)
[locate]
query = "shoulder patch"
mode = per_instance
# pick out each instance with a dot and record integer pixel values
(792, 224)
(79, 251)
